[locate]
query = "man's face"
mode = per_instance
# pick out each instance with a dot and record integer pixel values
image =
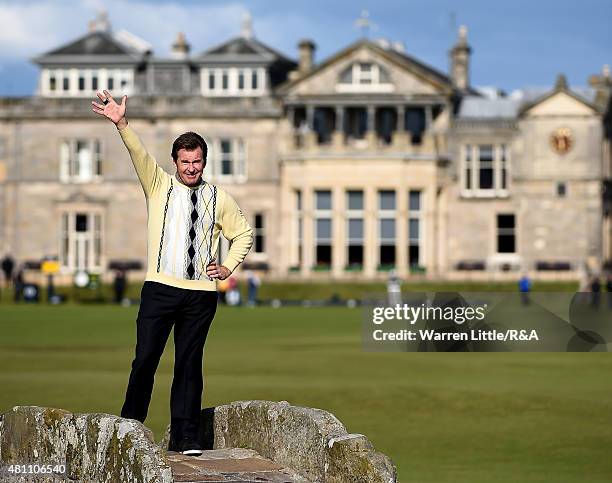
(189, 165)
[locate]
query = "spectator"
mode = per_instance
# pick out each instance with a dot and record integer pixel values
(394, 291)
(253, 283)
(524, 287)
(595, 291)
(18, 284)
(119, 286)
(8, 264)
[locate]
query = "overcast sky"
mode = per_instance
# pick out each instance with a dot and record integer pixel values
(516, 43)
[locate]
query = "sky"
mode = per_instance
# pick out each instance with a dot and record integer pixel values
(515, 44)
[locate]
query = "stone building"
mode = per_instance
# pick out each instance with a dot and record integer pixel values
(367, 161)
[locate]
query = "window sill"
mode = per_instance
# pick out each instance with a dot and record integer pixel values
(484, 194)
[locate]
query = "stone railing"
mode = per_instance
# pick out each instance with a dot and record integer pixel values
(82, 447)
(313, 442)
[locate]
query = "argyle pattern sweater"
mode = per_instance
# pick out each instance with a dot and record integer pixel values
(184, 223)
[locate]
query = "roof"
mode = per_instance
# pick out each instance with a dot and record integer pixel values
(410, 63)
(242, 48)
(98, 43)
(510, 107)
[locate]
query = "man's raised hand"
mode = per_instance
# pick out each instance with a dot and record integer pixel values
(111, 110)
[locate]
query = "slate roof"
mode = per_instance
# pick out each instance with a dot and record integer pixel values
(473, 107)
(242, 47)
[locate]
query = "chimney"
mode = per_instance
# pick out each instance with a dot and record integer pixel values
(246, 27)
(180, 48)
(306, 50)
(602, 83)
(460, 61)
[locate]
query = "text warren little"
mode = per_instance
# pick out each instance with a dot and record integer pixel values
(472, 335)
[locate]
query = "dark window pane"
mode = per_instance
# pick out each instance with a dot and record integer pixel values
(414, 200)
(225, 80)
(211, 80)
(258, 221)
(323, 254)
(66, 83)
(413, 228)
(505, 244)
(241, 80)
(323, 200)
(505, 221)
(111, 83)
(386, 200)
(355, 229)
(561, 190)
(387, 229)
(355, 255)
(94, 83)
(486, 178)
(387, 255)
(355, 200)
(413, 255)
(259, 244)
(81, 222)
(254, 79)
(81, 83)
(52, 82)
(323, 229)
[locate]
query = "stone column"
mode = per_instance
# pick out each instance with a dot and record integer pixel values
(399, 137)
(308, 231)
(293, 142)
(371, 127)
(370, 221)
(338, 134)
(338, 232)
(401, 232)
(428, 142)
(310, 138)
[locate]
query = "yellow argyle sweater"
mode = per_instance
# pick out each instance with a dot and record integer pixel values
(184, 224)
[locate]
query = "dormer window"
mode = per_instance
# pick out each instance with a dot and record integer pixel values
(233, 81)
(364, 76)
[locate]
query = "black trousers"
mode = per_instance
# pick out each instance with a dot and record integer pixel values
(191, 312)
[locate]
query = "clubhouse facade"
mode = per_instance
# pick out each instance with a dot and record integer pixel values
(367, 161)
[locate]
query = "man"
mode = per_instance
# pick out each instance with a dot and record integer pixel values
(185, 217)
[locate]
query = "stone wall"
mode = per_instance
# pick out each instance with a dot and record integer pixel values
(92, 447)
(313, 442)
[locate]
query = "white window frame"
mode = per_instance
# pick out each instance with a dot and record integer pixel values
(93, 239)
(119, 76)
(238, 151)
(323, 214)
(416, 215)
(499, 163)
(357, 76)
(354, 214)
(386, 214)
(232, 89)
(68, 158)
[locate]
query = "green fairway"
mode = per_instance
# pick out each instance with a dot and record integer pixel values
(462, 417)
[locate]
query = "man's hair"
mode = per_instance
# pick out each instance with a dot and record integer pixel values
(189, 141)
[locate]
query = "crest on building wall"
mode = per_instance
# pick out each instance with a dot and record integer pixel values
(562, 140)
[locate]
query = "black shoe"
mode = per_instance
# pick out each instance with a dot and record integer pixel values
(190, 447)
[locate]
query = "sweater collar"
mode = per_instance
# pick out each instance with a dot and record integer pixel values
(199, 185)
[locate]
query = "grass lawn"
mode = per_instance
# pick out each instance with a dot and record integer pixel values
(464, 417)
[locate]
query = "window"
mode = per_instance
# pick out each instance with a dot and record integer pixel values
(52, 82)
(506, 234)
(94, 82)
(228, 159)
(225, 80)
(81, 240)
(211, 80)
(232, 81)
(110, 82)
(81, 81)
(561, 190)
(386, 228)
(364, 76)
(66, 81)
(298, 229)
(484, 170)
(80, 160)
(355, 229)
(323, 229)
(414, 228)
(240, 80)
(254, 80)
(259, 233)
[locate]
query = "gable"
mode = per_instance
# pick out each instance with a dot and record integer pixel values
(560, 103)
(97, 43)
(333, 76)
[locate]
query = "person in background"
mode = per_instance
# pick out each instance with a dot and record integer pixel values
(8, 264)
(18, 283)
(119, 285)
(253, 283)
(394, 291)
(609, 289)
(595, 291)
(524, 288)
(222, 288)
